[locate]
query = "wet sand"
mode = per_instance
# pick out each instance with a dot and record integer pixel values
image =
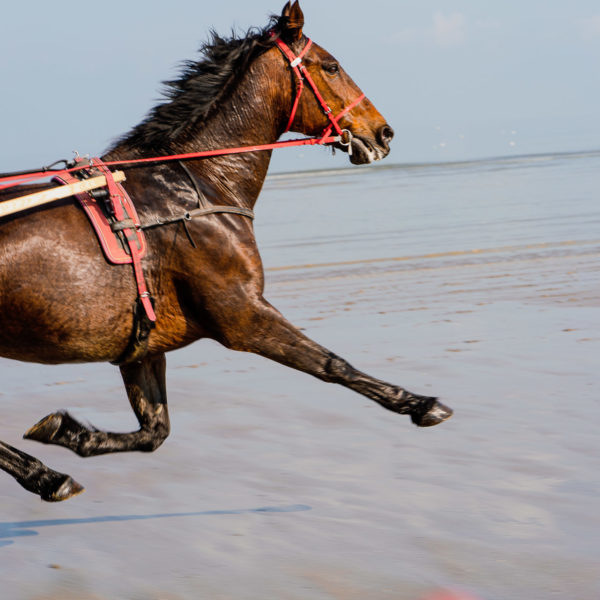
(476, 282)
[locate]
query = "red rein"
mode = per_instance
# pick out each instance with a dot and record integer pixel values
(343, 136)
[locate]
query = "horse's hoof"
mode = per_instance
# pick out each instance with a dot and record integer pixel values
(67, 489)
(433, 414)
(45, 430)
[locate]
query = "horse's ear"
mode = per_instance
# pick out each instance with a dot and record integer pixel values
(292, 18)
(286, 9)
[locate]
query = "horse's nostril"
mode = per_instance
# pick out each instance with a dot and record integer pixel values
(386, 133)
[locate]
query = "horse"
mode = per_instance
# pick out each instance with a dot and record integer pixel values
(61, 302)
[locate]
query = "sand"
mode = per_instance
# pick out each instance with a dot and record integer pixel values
(475, 282)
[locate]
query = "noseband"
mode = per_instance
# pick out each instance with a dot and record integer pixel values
(302, 74)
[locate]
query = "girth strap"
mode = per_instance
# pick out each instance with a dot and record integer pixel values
(116, 197)
(201, 212)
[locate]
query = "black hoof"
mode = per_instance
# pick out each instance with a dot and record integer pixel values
(45, 430)
(65, 488)
(431, 413)
(59, 428)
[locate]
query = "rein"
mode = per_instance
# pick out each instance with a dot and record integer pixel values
(27, 176)
(343, 137)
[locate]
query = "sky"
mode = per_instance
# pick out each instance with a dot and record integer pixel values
(456, 79)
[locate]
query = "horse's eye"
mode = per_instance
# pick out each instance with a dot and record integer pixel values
(331, 68)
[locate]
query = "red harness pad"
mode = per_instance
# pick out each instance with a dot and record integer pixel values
(115, 250)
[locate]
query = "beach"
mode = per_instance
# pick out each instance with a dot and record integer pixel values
(477, 282)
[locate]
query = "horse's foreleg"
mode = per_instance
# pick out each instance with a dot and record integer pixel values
(36, 477)
(263, 330)
(146, 390)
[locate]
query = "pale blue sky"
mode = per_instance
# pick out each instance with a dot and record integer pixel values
(457, 79)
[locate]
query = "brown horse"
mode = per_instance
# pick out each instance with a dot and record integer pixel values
(60, 301)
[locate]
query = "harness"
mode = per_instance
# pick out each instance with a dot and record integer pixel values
(117, 225)
(117, 216)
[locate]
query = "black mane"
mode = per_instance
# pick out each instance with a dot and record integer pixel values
(202, 85)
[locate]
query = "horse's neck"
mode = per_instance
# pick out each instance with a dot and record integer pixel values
(252, 115)
(237, 178)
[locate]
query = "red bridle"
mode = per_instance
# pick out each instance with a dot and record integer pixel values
(302, 74)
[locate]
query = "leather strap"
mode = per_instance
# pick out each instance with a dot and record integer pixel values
(201, 212)
(116, 197)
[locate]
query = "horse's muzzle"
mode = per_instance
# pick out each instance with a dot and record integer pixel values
(366, 150)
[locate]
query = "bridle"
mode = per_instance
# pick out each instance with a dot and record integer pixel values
(302, 74)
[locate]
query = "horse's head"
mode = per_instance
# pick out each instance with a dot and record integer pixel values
(319, 74)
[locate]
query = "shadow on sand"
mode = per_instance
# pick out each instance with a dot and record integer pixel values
(27, 528)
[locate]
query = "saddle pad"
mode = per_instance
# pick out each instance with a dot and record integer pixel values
(114, 246)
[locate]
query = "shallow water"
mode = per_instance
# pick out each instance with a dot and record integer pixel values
(477, 282)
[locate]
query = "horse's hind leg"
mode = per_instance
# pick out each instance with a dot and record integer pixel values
(145, 385)
(36, 477)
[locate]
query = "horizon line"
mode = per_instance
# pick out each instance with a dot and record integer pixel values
(444, 163)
